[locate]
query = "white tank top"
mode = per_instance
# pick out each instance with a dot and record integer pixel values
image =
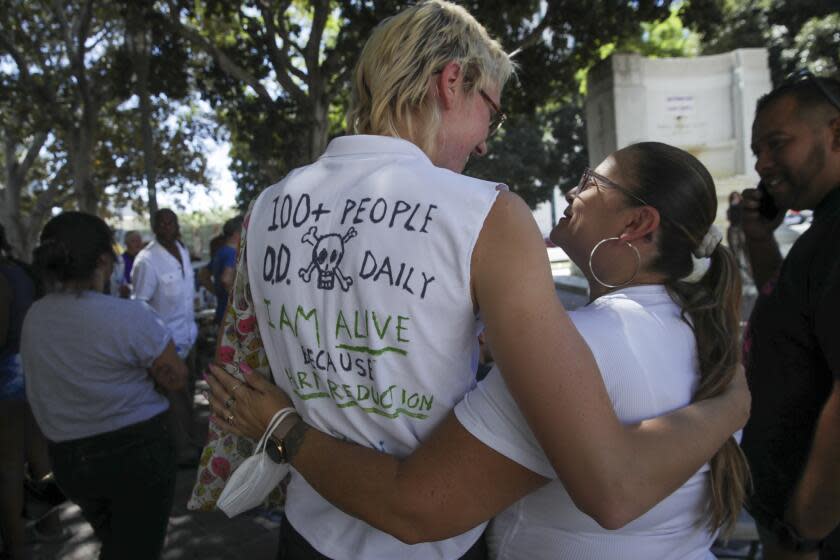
(360, 272)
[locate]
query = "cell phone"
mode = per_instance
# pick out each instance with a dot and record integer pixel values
(767, 207)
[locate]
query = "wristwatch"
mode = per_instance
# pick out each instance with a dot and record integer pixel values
(275, 450)
(275, 447)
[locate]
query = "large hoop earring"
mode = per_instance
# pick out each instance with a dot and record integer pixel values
(635, 272)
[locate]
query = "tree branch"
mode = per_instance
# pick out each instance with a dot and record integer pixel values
(281, 62)
(32, 153)
(28, 81)
(82, 30)
(278, 59)
(536, 33)
(227, 65)
(316, 33)
(75, 51)
(48, 198)
(64, 26)
(7, 45)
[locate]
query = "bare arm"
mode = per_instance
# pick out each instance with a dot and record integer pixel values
(612, 472)
(205, 278)
(168, 369)
(815, 506)
(450, 484)
(228, 275)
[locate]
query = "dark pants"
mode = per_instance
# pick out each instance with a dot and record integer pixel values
(182, 416)
(294, 547)
(124, 483)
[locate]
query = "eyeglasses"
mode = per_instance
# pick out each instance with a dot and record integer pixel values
(497, 118)
(805, 75)
(589, 178)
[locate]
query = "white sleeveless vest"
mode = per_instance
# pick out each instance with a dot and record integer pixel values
(360, 272)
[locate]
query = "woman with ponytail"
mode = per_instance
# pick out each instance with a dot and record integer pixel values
(92, 363)
(662, 323)
(710, 300)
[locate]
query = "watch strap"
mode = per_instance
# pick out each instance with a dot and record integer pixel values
(282, 450)
(294, 439)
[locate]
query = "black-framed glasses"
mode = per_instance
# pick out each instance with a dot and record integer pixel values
(497, 118)
(805, 75)
(590, 178)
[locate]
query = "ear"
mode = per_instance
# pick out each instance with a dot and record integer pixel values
(448, 82)
(642, 223)
(104, 260)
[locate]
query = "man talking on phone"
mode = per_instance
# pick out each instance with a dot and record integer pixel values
(792, 342)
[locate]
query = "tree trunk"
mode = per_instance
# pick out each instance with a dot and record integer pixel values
(139, 46)
(150, 167)
(21, 232)
(81, 161)
(319, 129)
(86, 195)
(10, 215)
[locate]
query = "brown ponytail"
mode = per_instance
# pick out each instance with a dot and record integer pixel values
(712, 307)
(682, 190)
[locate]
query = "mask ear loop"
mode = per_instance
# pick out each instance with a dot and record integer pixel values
(635, 272)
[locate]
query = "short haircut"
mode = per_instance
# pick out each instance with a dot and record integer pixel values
(71, 244)
(156, 216)
(233, 225)
(132, 233)
(390, 88)
(807, 94)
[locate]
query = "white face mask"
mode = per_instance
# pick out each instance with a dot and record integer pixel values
(256, 477)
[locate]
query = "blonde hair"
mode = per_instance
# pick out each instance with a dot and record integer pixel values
(390, 92)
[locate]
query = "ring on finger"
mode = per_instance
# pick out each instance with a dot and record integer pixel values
(230, 401)
(230, 419)
(234, 388)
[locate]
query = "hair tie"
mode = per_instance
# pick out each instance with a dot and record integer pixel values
(709, 243)
(699, 268)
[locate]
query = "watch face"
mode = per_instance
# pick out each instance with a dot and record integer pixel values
(272, 449)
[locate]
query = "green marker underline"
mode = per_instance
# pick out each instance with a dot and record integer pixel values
(369, 410)
(372, 351)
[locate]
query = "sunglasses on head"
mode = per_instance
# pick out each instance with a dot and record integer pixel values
(805, 75)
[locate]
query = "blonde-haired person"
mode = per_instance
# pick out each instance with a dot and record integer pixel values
(370, 272)
(391, 94)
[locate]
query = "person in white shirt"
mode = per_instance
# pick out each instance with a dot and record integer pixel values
(163, 277)
(369, 273)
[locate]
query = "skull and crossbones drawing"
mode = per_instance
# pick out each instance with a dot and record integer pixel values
(327, 252)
